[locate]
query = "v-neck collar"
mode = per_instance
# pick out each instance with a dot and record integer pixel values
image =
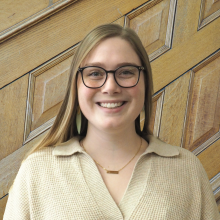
(97, 186)
(98, 189)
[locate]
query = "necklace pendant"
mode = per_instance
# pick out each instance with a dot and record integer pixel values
(112, 172)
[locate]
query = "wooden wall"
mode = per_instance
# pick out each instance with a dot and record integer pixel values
(39, 37)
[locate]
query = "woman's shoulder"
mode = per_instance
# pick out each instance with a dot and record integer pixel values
(177, 157)
(61, 151)
(42, 155)
(47, 161)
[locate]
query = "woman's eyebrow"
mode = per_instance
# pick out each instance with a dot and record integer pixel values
(118, 64)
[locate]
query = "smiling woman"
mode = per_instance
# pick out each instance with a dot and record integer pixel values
(108, 168)
(116, 101)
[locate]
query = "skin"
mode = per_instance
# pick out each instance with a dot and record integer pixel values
(111, 137)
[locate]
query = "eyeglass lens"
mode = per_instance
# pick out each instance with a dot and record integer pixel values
(126, 76)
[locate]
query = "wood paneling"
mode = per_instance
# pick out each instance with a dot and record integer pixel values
(210, 159)
(29, 49)
(210, 10)
(153, 23)
(10, 165)
(158, 100)
(203, 115)
(49, 91)
(24, 14)
(11, 13)
(3, 202)
(210, 7)
(186, 21)
(218, 204)
(156, 113)
(12, 115)
(186, 55)
(120, 21)
(174, 109)
(47, 87)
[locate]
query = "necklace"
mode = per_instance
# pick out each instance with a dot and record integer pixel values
(113, 171)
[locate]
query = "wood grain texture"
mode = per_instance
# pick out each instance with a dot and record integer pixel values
(49, 78)
(10, 166)
(11, 13)
(29, 49)
(203, 115)
(12, 115)
(157, 104)
(174, 109)
(210, 10)
(26, 14)
(153, 22)
(3, 202)
(49, 91)
(218, 204)
(210, 7)
(150, 24)
(186, 21)
(186, 55)
(210, 159)
(120, 21)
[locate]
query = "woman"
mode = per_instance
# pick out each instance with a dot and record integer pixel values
(107, 168)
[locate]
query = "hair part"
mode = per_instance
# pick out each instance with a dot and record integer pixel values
(64, 126)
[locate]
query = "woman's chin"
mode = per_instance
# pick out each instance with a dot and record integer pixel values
(106, 125)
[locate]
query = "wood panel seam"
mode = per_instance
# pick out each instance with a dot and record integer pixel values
(203, 22)
(187, 103)
(34, 19)
(28, 134)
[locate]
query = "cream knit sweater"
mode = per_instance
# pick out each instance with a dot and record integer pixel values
(63, 182)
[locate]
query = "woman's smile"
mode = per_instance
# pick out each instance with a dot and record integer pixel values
(111, 106)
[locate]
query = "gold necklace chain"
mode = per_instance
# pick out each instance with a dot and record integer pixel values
(113, 171)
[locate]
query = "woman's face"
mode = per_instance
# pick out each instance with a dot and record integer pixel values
(111, 54)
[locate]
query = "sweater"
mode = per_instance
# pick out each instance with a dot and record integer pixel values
(63, 182)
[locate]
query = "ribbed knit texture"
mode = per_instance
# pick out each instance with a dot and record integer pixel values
(168, 183)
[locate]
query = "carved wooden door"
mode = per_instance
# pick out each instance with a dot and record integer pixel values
(182, 38)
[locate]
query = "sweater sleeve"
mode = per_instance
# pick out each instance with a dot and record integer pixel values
(209, 209)
(17, 206)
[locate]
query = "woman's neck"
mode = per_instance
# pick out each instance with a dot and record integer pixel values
(114, 148)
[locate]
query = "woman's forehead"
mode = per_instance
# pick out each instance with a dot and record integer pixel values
(112, 51)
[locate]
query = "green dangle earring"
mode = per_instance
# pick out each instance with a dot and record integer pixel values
(78, 120)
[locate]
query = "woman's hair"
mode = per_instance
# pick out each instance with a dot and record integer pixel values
(64, 126)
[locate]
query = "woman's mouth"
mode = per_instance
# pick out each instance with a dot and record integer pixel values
(110, 105)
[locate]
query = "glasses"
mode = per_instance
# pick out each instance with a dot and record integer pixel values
(125, 76)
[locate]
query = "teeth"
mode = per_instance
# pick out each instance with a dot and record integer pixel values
(111, 105)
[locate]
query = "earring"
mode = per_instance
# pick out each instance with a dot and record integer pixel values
(78, 120)
(142, 118)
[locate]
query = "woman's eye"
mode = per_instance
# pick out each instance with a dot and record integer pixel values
(127, 73)
(95, 74)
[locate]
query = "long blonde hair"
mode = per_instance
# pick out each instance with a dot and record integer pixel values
(64, 126)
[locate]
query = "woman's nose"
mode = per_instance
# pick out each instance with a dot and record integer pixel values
(110, 85)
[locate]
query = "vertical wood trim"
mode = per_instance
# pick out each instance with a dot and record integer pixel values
(170, 23)
(187, 104)
(158, 113)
